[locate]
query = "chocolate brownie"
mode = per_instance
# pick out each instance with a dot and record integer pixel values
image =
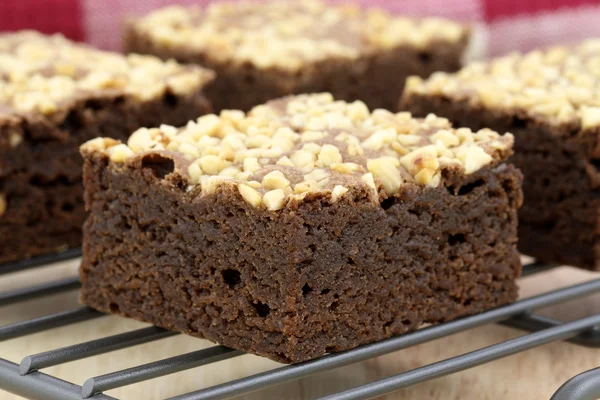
(265, 51)
(550, 101)
(305, 227)
(55, 95)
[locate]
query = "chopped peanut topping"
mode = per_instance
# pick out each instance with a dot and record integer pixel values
(271, 162)
(290, 35)
(558, 85)
(42, 74)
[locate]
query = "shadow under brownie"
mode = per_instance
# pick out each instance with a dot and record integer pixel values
(55, 95)
(549, 100)
(265, 51)
(304, 227)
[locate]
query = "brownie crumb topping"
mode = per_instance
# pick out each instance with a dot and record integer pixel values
(288, 35)
(558, 85)
(43, 74)
(291, 147)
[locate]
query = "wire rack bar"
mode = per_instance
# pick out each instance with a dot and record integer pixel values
(92, 348)
(44, 289)
(533, 323)
(466, 361)
(25, 380)
(39, 386)
(283, 374)
(48, 322)
(585, 386)
(38, 261)
(155, 369)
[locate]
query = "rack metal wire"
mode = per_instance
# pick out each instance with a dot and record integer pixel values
(25, 379)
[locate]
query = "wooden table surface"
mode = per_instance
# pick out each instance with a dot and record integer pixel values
(535, 374)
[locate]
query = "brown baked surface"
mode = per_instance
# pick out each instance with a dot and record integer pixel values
(347, 255)
(265, 51)
(549, 100)
(55, 95)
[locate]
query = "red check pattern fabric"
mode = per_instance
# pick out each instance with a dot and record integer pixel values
(500, 25)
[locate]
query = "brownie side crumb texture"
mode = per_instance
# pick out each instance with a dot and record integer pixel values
(41, 186)
(355, 55)
(558, 222)
(300, 253)
(549, 98)
(55, 95)
(292, 286)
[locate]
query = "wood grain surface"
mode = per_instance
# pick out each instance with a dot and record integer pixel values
(535, 374)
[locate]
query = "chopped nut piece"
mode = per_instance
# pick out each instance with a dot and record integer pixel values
(446, 138)
(409, 140)
(210, 184)
(251, 164)
(316, 175)
(312, 148)
(337, 192)
(311, 136)
(231, 172)
(100, 143)
(345, 168)
(119, 153)
(423, 157)
(472, 158)
(590, 117)
(195, 172)
(275, 180)
(425, 176)
(303, 159)
(386, 170)
(357, 111)
(369, 180)
(254, 184)
(274, 199)
(329, 154)
(212, 164)
(285, 161)
(250, 195)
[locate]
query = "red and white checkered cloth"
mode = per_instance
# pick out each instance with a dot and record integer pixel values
(500, 25)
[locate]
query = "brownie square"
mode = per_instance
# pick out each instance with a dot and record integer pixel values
(304, 227)
(549, 100)
(55, 95)
(262, 51)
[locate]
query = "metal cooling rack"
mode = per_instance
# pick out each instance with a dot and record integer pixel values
(25, 379)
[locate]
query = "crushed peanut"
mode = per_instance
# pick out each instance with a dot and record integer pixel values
(272, 163)
(559, 85)
(289, 35)
(40, 73)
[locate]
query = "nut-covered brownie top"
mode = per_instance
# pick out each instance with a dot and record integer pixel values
(559, 85)
(288, 35)
(291, 147)
(43, 74)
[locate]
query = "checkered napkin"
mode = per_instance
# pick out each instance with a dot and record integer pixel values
(500, 25)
